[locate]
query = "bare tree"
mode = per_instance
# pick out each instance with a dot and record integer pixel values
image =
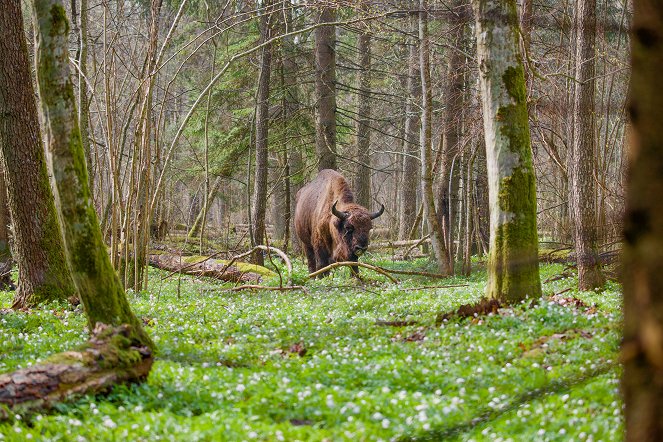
(362, 183)
(582, 195)
(325, 89)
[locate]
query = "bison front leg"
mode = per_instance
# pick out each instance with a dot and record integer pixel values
(322, 259)
(311, 259)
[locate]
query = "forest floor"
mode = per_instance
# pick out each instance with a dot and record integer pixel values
(344, 361)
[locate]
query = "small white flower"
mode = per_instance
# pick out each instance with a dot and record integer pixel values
(240, 387)
(385, 423)
(108, 422)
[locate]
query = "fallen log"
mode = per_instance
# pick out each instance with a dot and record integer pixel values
(334, 265)
(397, 244)
(214, 268)
(107, 359)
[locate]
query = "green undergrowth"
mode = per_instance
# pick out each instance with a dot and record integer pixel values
(343, 361)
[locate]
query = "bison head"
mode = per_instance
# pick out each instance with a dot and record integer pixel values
(354, 225)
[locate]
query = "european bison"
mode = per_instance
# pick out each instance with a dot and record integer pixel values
(331, 227)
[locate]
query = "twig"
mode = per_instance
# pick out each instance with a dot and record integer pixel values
(417, 244)
(411, 272)
(435, 287)
(262, 287)
(353, 264)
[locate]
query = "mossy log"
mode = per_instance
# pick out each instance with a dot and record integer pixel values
(213, 268)
(110, 357)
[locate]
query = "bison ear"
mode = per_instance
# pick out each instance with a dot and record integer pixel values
(378, 213)
(337, 213)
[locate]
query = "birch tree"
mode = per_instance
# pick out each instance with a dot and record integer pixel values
(513, 268)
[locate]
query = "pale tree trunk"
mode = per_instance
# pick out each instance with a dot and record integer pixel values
(362, 185)
(452, 117)
(325, 90)
(408, 193)
(43, 273)
(642, 348)
(196, 228)
(437, 241)
(582, 196)
(262, 129)
(513, 267)
(99, 286)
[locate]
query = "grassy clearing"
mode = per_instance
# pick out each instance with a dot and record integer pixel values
(295, 366)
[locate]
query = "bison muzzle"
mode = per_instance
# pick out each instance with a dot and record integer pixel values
(331, 227)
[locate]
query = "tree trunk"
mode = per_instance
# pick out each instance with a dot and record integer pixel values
(363, 142)
(325, 90)
(437, 241)
(99, 286)
(5, 251)
(198, 222)
(642, 348)
(262, 129)
(582, 189)
(451, 135)
(513, 267)
(43, 273)
(209, 267)
(408, 193)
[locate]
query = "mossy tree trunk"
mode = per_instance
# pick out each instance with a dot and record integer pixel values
(43, 274)
(99, 286)
(513, 268)
(325, 89)
(437, 241)
(5, 251)
(582, 190)
(408, 193)
(642, 349)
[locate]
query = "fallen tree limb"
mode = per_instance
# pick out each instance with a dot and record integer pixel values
(262, 287)
(414, 273)
(210, 267)
(434, 287)
(107, 359)
(397, 244)
(281, 254)
(353, 264)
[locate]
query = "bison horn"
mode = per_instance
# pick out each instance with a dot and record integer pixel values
(378, 213)
(337, 213)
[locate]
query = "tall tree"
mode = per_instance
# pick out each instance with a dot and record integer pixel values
(6, 261)
(428, 197)
(99, 286)
(262, 130)
(450, 167)
(362, 183)
(408, 190)
(42, 267)
(642, 348)
(325, 89)
(582, 188)
(513, 267)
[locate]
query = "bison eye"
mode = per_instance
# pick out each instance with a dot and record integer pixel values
(349, 229)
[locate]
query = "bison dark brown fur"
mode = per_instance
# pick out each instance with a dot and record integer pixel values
(331, 227)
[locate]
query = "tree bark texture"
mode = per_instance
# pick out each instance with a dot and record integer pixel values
(262, 131)
(99, 286)
(110, 357)
(582, 196)
(437, 241)
(513, 268)
(452, 117)
(363, 141)
(411, 166)
(6, 261)
(642, 349)
(325, 90)
(43, 273)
